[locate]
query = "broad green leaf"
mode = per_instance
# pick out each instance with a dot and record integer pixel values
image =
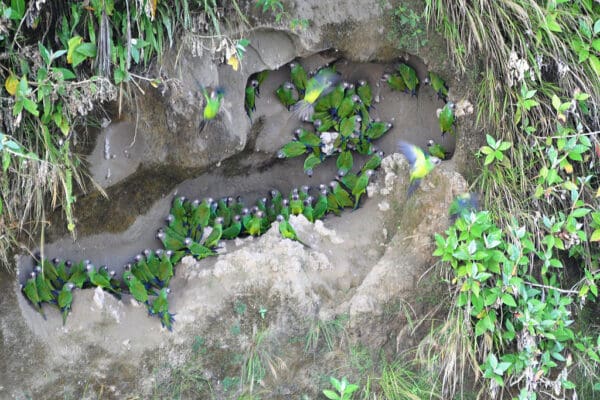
(551, 23)
(595, 236)
(17, 8)
(66, 73)
(508, 300)
(580, 212)
(595, 63)
(73, 43)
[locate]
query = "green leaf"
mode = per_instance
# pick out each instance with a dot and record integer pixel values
(508, 300)
(555, 102)
(595, 63)
(597, 26)
(596, 45)
(86, 49)
(490, 141)
(551, 23)
(44, 53)
(5, 160)
(17, 8)
(580, 212)
(31, 106)
(66, 73)
(595, 236)
(331, 395)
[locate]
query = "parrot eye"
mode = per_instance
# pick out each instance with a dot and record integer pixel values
(254, 83)
(187, 241)
(280, 218)
(430, 142)
(437, 161)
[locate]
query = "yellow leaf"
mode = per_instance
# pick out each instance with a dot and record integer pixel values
(11, 84)
(155, 82)
(73, 43)
(568, 168)
(153, 8)
(598, 192)
(234, 62)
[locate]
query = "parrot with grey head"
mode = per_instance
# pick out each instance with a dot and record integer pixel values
(436, 149)
(286, 94)
(341, 196)
(373, 163)
(307, 209)
(438, 84)
(420, 164)
(31, 292)
(79, 274)
(198, 250)
(160, 308)
(44, 287)
(215, 235)
(360, 187)
(292, 149)
(395, 82)
(447, 118)
(100, 281)
(365, 93)
(299, 77)
(136, 288)
(233, 230)
(317, 86)
(250, 98)
(65, 300)
(287, 231)
(410, 78)
(320, 207)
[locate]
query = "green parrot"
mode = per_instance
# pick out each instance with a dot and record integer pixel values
(344, 162)
(361, 186)
(65, 299)
(287, 230)
(178, 210)
(296, 205)
(213, 102)
(307, 209)
(308, 138)
(436, 149)
(350, 125)
(377, 129)
(260, 78)
(320, 207)
(61, 269)
(299, 77)
(410, 78)
(250, 99)
(136, 288)
(254, 226)
(234, 229)
(365, 93)
(395, 82)
(223, 211)
(50, 273)
(373, 163)
(349, 181)
(78, 274)
(446, 118)
(160, 307)
(165, 268)
(438, 84)
(170, 239)
(44, 287)
(98, 280)
(215, 235)
(285, 208)
(200, 215)
(347, 106)
(310, 163)
(342, 197)
(332, 204)
(198, 250)
(31, 292)
(141, 270)
(292, 149)
(318, 85)
(286, 94)
(420, 164)
(463, 204)
(276, 201)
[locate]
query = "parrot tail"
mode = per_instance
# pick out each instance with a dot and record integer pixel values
(413, 186)
(303, 110)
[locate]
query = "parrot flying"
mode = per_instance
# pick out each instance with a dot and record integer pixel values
(320, 84)
(213, 102)
(463, 204)
(420, 164)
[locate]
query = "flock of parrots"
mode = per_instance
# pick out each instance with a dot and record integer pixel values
(339, 114)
